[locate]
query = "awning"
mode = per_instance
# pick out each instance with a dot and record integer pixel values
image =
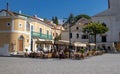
(44, 42)
(80, 44)
(91, 44)
(63, 42)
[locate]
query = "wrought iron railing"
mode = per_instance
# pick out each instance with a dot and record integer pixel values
(41, 35)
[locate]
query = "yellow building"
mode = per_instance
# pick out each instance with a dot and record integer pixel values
(19, 32)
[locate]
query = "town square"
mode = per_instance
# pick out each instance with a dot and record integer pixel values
(105, 64)
(64, 37)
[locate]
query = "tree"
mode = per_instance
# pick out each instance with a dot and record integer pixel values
(94, 29)
(45, 19)
(55, 20)
(57, 38)
(70, 19)
(80, 16)
(73, 19)
(70, 22)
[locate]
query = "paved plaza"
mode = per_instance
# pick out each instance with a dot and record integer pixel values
(105, 64)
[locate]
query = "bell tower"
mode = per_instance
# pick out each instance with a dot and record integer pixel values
(114, 4)
(108, 4)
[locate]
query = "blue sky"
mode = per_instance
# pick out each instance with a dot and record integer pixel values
(59, 8)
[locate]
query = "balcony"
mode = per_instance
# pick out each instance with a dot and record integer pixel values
(41, 36)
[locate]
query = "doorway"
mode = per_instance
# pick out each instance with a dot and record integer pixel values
(21, 43)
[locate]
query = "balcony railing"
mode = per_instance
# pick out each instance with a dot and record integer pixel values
(40, 35)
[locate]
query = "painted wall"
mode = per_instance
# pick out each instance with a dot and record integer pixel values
(79, 24)
(4, 24)
(38, 25)
(112, 23)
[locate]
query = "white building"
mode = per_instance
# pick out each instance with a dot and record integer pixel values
(77, 37)
(110, 17)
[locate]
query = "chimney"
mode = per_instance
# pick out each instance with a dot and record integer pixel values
(19, 11)
(35, 16)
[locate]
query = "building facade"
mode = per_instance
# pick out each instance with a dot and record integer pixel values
(110, 18)
(20, 33)
(77, 38)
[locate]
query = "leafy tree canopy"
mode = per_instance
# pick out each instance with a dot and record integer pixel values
(95, 28)
(80, 16)
(57, 38)
(73, 19)
(55, 20)
(70, 19)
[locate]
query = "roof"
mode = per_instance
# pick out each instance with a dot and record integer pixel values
(108, 12)
(104, 13)
(12, 13)
(81, 20)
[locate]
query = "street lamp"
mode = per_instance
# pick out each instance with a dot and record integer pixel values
(88, 34)
(69, 22)
(70, 36)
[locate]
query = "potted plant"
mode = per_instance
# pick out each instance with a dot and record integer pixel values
(82, 53)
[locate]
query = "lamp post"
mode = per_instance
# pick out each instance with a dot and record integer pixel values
(69, 22)
(88, 33)
(70, 35)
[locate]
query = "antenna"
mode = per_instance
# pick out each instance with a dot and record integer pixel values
(7, 6)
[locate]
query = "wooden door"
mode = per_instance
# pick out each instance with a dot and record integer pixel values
(20, 45)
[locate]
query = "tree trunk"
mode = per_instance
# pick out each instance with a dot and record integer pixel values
(95, 41)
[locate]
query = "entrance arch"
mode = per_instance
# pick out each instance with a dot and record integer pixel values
(21, 43)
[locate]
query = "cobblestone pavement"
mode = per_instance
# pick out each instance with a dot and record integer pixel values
(105, 64)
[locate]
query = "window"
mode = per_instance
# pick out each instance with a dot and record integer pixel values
(27, 27)
(56, 34)
(70, 36)
(40, 30)
(47, 32)
(84, 36)
(20, 25)
(53, 34)
(77, 35)
(8, 24)
(104, 39)
(77, 28)
(32, 28)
